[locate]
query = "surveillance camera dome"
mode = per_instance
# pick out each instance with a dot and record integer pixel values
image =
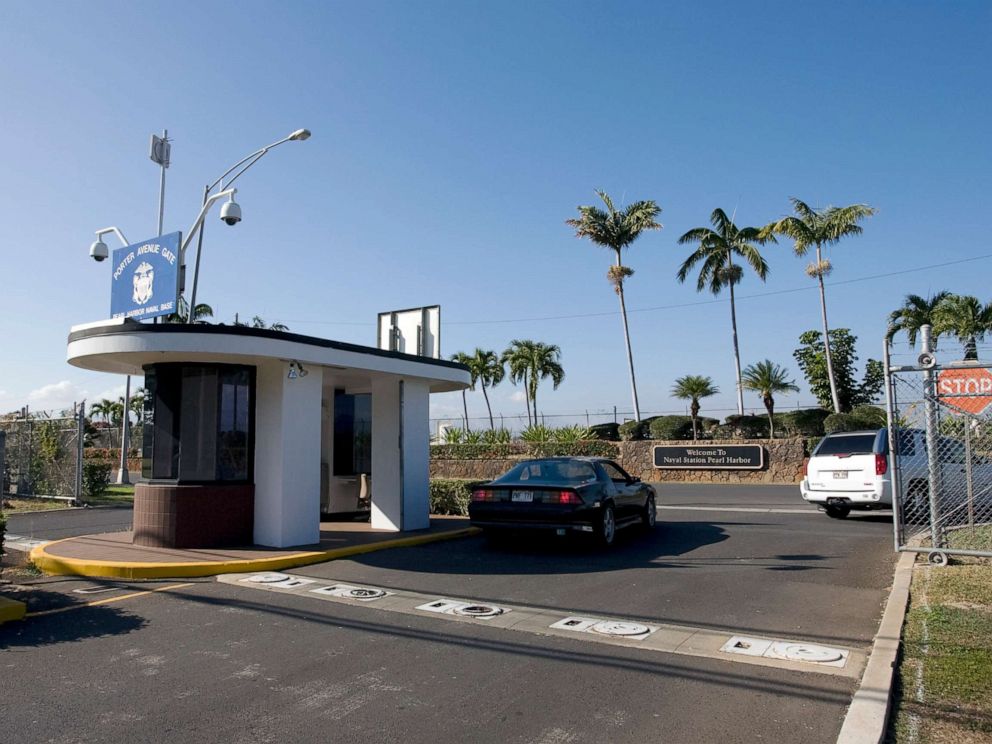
(231, 212)
(98, 251)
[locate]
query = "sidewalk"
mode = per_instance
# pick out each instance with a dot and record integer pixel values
(112, 555)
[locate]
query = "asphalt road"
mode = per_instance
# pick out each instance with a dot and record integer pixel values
(217, 662)
(59, 523)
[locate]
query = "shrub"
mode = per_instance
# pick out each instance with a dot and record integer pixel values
(671, 427)
(632, 431)
(537, 433)
(570, 434)
(807, 422)
(862, 417)
(873, 416)
(96, 478)
(472, 437)
(496, 436)
(586, 448)
(476, 451)
(451, 495)
(607, 432)
(453, 435)
(748, 427)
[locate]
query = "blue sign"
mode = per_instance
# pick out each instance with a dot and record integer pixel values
(146, 278)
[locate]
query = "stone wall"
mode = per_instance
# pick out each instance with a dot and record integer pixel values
(783, 464)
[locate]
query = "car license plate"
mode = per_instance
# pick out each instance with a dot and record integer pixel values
(840, 474)
(522, 496)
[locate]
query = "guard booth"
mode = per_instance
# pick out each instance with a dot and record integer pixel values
(255, 434)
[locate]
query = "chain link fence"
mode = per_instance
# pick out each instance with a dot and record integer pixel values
(43, 455)
(941, 440)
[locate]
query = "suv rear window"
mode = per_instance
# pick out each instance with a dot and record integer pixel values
(847, 444)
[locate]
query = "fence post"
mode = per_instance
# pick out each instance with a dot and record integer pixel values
(80, 432)
(3, 471)
(933, 456)
(968, 473)
(895, 477)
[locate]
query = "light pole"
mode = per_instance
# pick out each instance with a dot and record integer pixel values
(247, 162)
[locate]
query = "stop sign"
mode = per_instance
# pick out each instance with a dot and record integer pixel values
(968, 390)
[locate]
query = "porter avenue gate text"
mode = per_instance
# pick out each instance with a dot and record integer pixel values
(710, 457)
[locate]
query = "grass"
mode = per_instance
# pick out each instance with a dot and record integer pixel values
(944, 681)
(114, 496)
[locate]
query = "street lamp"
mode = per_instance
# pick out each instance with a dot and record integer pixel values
(231, 212)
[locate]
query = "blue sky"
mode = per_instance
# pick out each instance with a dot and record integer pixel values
(450, 142)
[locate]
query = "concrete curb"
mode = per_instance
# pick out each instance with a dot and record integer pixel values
(868, 713)
(11, 609)
(63, 566)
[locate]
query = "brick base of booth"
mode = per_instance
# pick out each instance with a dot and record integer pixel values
(185, 516)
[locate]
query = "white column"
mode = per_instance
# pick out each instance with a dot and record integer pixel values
(287, 456)
(400, 452)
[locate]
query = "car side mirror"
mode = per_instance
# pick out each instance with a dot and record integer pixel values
(634, 479)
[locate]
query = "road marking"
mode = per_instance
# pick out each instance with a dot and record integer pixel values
(759, 510)
(108, 600)
(22, 543)
(684, 640)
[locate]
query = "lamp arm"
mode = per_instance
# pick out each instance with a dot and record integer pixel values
(115, 231)
(256, 155)
(199, 220)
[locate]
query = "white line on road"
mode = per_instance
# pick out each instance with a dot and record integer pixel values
(759, 510)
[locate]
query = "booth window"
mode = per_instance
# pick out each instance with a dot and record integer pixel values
(352, 433)
(201, 427)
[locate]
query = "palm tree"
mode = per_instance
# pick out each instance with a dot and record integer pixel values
(965, 318)
(809, 228)
(915, 313)
(104, 409)
(692, 388)
(530, 362)
(200, 312)
(462, 358)
(616, 230)
(768, 379)
(716, 252)
(486, 368)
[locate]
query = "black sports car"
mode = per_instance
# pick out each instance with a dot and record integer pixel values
(564, 494)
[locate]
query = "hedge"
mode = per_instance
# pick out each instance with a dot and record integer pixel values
(585, 448)
(609, 432)
(631, 431)
(451, 495)
(862, 417)
(806, 422)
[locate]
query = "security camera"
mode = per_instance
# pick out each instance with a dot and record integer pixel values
(927, 360)
(98, 251)
(231, 212)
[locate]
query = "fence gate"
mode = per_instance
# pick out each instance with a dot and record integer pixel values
(43, 455)
(940, 439)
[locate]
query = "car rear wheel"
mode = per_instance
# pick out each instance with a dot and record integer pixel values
(649, 517)
(607, 531)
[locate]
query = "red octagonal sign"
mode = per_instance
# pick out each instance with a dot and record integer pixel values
(968, 390)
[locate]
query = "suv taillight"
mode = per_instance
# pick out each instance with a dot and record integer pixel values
(881, 465)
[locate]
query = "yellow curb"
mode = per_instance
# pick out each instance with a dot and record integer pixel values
(62, 566)
(11, 609)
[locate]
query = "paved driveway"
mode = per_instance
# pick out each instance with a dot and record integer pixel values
(214, 661)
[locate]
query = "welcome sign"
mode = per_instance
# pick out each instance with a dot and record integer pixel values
(710, 457)
(145, 282)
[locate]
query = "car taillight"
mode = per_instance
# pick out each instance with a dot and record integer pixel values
(881, 465)
(566, 497)
(483, 495)
(805, 467)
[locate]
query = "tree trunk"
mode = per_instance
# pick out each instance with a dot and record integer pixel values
(527, 397)
(826, 336)
(770, 407)
(737, 352)
(465, 409)
(492, 426)
(626, 338)
(534, 380)
(694, 410)
(970, 348)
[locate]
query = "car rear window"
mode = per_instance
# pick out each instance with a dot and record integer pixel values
(847, 444)
(550, 471)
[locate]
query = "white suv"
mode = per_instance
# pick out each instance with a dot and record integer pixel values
(850, 470)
